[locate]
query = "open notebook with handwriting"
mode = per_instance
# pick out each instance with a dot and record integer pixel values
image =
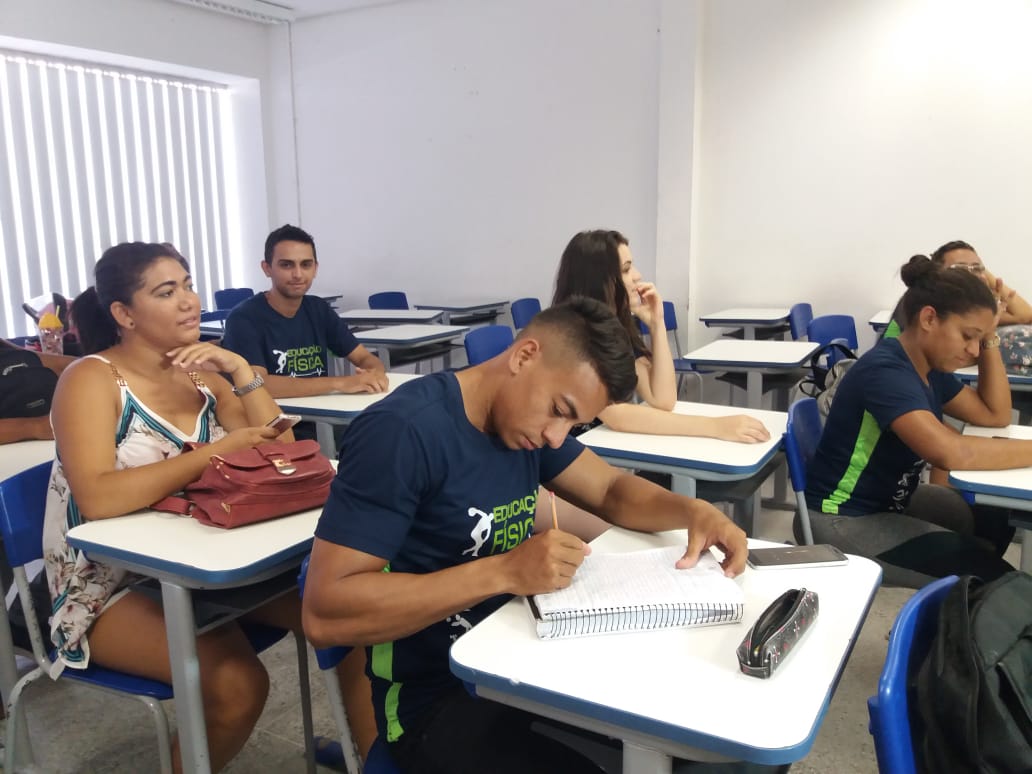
(638, 591)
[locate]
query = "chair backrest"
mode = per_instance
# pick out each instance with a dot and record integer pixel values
(23, 499)
(799, 317)
(889, 709)
(802, 435)
(227, 298)
(388, 299)
(669, 316)
(827, 327)
(485, 342)
(523, 310)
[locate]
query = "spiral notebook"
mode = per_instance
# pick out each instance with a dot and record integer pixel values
(637, 591)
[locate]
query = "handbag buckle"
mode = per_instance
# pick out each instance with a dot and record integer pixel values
(283, 467)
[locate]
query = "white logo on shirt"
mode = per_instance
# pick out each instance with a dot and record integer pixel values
(481, 531)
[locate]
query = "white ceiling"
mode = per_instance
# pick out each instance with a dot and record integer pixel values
(306, 8)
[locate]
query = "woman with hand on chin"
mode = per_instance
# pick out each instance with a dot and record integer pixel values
(598, 264)
(121, 416)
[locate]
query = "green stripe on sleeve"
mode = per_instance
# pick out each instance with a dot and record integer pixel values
(866, 440)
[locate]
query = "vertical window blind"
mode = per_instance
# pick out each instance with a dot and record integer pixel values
(91, 156)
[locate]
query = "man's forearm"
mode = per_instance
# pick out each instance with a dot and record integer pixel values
(635, 503)
(372, 607)
(299, 387)
(25, 429)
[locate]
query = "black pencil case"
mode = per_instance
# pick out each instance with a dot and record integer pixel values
(776, 632)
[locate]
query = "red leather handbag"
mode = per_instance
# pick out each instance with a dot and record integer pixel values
(256, 484)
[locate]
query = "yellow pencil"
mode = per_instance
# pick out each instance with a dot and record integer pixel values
(555, 516)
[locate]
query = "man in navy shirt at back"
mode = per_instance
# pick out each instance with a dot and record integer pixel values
(288, 336)
(429, 528)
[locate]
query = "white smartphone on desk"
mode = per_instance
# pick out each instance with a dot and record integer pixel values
(283, 422)
(794, 557)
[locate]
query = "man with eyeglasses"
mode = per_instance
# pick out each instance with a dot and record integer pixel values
(1014, 310)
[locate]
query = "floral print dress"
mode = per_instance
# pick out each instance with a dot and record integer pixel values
(80, 589)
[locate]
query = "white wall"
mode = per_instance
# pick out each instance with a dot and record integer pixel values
(190, 41)
(451, 148)
(838, 137)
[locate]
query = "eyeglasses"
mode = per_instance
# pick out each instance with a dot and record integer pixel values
(974, 268)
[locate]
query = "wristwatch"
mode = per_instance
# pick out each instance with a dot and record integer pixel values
(992, 343)
(257, 382)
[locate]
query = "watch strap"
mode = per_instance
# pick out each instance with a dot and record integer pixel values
(251, 386)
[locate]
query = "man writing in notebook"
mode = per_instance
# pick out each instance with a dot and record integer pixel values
(428, 529)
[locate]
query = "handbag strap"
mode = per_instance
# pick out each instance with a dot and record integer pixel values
(171, 504)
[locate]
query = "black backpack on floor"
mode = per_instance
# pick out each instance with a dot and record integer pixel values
(974, 689)
(26, 385)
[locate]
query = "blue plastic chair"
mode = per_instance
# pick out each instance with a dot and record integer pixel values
(388, 299)
(828, 327)
(22, 506)
(799, 317)
(379, 760)
(523, 311)
(909, 641)
(802, 434)
(227, 298)
(485, 342)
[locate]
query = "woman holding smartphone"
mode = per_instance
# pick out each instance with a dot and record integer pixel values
(885, 424)
(121, 416)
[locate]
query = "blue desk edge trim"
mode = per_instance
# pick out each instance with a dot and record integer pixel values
(987, 489)
(675, 462)
(186, 571)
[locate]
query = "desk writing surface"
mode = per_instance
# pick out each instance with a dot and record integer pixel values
(747, 315)
(342, 405)
(390, 316)
(748, 354)
(16, 457)
(882, 317)
(683, 685)
(969, 374)
(183, 546)
(468, 307)
(410, 334)
(702, 453)
(1016, 482)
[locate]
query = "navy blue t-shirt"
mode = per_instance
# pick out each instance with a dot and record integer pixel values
(421, 487)
(861, 465)
(288, 346)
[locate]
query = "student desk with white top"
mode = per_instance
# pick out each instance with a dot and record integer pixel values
(338, 408)
(412, 337)
(1017, 382)
(185, 555)
(379, 317)
(754, 358)
(678, 692)
(16, 457)
(1002, 488)
(880, 320)
(468, 313)
(749, 319)
(686, 457)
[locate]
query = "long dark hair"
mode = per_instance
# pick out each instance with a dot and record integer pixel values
(590, 267)
(117, 275)
(945, 290)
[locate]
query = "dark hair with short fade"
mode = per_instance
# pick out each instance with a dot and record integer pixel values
(288, 233)
(939, 256)
(119, 274)
(593, 334)
(947, 291)
(590, 266)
